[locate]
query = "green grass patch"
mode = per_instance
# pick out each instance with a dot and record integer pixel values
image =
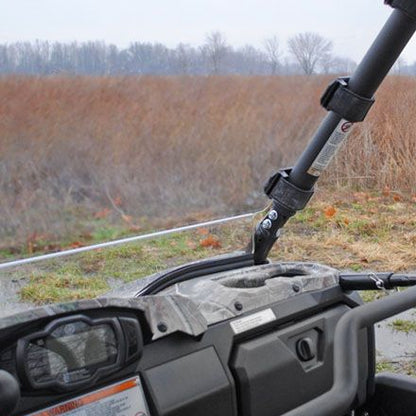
(60, 287)
(371, 295)
(106, 232)
(384, 366)
(307, 215)
(356, 267)
(92, 273)
(339, 232)
(403, 325)
(407, 367)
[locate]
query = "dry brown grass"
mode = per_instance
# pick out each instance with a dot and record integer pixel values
(366, 231)
(167, 147)
(382, 151)
(369, 232)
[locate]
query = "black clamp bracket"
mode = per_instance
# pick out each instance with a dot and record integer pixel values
(406, 6)
(347, 104)
(288, 197)
(375, 281)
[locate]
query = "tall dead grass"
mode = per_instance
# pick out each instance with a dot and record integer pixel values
(163, 147)
(382, 151)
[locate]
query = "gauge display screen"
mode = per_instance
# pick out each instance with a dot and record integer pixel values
(71, 352)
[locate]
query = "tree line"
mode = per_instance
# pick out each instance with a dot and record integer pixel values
(307, 53)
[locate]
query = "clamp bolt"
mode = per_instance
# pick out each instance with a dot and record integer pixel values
(273, 215)
(266, 224)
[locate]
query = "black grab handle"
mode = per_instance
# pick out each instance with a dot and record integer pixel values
(338, 400)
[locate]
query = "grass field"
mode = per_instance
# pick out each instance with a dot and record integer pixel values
(81, 157)
(356, 232)
(85, 160)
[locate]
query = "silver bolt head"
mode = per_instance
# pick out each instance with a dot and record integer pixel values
(266, 224)
(273, 215)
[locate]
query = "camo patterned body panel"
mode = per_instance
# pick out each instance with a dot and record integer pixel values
(191, 306)
(226, 295)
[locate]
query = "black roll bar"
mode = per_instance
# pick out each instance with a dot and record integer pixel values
(348, 100)
(338, 400)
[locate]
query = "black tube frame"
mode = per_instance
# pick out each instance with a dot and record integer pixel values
(366, 79)
(368, 76)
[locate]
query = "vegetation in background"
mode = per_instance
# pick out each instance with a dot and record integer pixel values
(404, 325)
(349, 232)
(407, 367)
(84, 156)
(85, 160)
(214, 56)
(93, 273)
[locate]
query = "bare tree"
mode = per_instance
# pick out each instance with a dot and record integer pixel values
(215, 48)
(327, 63)
(271, 46)
(400, 66)
(309, 49)
(182, 53)
(343, 66)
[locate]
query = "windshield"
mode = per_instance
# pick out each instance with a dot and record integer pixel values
(76, 274)
(112, 139)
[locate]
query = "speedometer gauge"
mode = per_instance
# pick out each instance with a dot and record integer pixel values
(71, 352)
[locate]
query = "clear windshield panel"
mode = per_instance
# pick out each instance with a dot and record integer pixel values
(93, 273)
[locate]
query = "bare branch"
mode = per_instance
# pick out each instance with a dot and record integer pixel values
(309, 49)
(216, 49)
(272, 47)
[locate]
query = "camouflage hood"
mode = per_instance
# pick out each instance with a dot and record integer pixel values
(191, 306)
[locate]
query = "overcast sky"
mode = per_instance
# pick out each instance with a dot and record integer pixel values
(351, 25)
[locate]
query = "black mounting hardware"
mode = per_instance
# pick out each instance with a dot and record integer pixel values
(287, 200)
(344, 102)
(288, 197)
(406, 6)
(375, 281)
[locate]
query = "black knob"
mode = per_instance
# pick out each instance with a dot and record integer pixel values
(9, 393)
(305, 349)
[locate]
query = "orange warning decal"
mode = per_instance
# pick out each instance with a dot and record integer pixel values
(89, 398)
